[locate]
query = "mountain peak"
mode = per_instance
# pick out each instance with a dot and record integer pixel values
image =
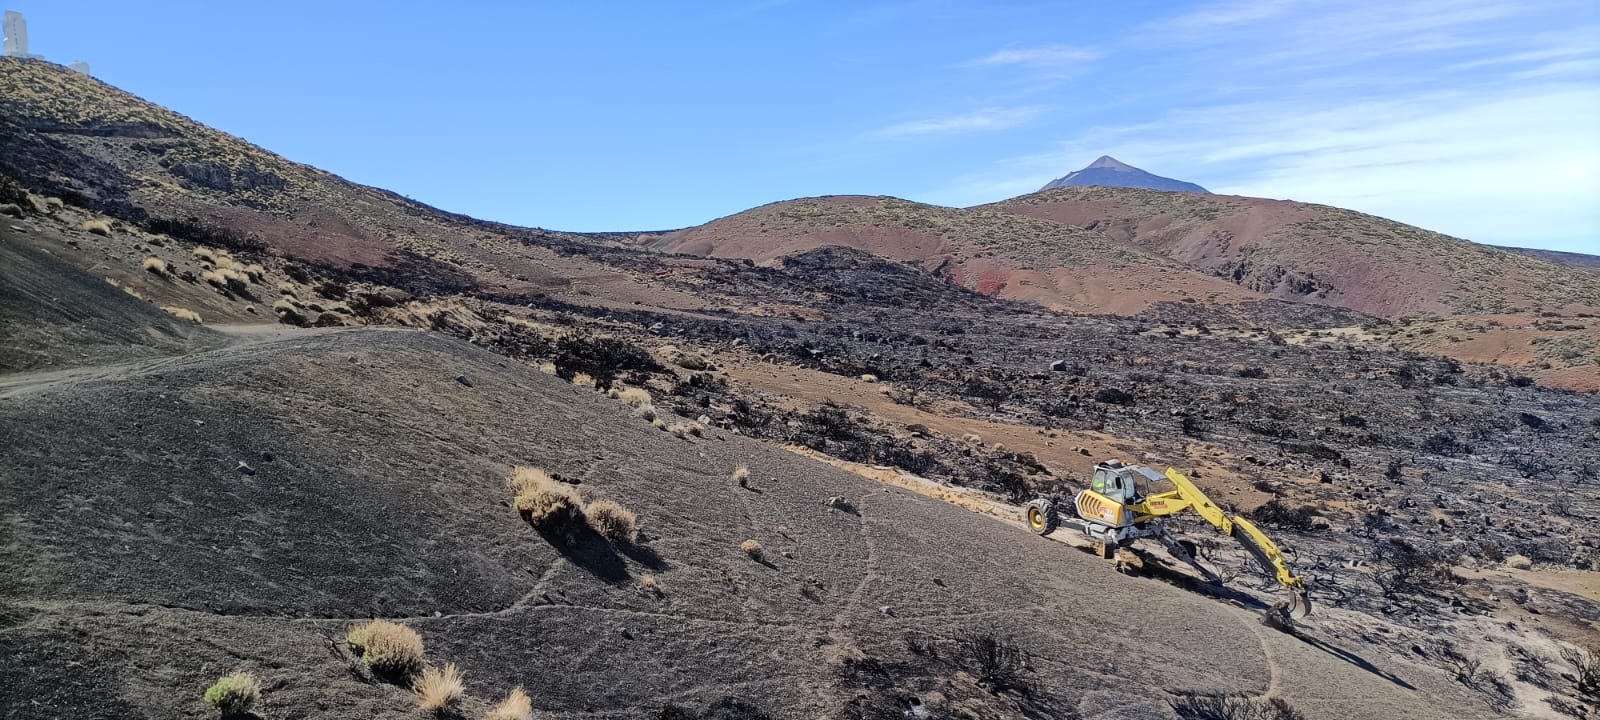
(1107, 170)
(1106, 161)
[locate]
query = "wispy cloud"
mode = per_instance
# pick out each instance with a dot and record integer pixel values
(1471, 117)
(984, 120)
(1043, 56)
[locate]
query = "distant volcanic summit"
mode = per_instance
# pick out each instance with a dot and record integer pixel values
(1115, 173)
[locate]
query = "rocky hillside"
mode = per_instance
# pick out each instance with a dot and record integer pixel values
(994, 253)
(1318, 253)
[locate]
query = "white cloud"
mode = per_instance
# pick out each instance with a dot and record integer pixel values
(984, 120)
(1044, 56)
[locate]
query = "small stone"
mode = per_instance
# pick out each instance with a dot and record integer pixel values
(463, 380)
(244, 468)
(887, 611)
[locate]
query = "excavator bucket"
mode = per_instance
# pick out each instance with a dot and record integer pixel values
(1299, 604)
(1272, 560)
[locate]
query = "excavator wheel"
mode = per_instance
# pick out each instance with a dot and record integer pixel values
(1041, 517)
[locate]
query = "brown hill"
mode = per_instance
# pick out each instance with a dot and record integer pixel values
(68, 135)
(1317, 253)
(994, 253)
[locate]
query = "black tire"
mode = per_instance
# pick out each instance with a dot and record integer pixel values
(1041, 517)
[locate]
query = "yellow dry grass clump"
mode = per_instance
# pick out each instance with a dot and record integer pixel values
(753, 549)
(234, 694)
(612, 520)
(634, 397)
(155, 265)
(205, 255)
(181, 313)
(438, 689)
(387, 646)
(516, 706)
(545, 501)
(98, 227)
(741, 475)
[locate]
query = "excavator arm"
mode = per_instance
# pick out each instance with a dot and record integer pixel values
(1261, 547)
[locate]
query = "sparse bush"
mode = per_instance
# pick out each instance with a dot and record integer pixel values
(1407, 568)
(612, 520)
(1587, 662)
(741, 475)
(387, 647)
(648, 412)
(1204, 706)
(155, 265)
(995, 658)
(754, 550)
(234, 694)
(548, 503)
(438, 689)
(516, 706)
(98, 227)
(1253, 373)
(1470, 672)
(181, 313)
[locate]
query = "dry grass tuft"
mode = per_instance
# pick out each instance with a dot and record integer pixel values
(658, 423)
(611, 519)
(98, 227)
(648, 582)
(754, 550)
(741, 475)
(234, 694)
(155, 265)
(869, 378)
(685, 429)
(438, 689)
(181, 313)
(647, 412)
(387, 646)
(545, 501)
(516, 706)
(205, 255)
(634, 397)
(254, 272)
(287, 288)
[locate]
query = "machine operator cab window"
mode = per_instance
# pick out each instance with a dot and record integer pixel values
(1112, 480)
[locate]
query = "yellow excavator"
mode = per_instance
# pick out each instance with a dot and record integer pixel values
(1118, 508)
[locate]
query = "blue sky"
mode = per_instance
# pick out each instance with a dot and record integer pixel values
(1479, 118)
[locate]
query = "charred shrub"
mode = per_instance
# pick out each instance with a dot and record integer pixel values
(728, 708)
(995, 658)
(1114, 396)
(1280, 514)
(991, 393)
(1203, 706)
(333, 290)
(600, 358)
(1445, 443)
(1407, 569)
(1253, 373)
(201, 232)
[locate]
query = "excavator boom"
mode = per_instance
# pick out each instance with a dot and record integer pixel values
(1262, 548)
